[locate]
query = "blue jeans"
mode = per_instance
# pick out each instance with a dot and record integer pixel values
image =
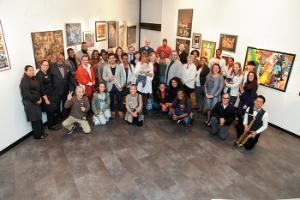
(162, 79)
(233, 99)
(115, 92)
(200, 95)
(187, 119)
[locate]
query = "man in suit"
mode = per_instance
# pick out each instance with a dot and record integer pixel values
(174, 68)
(147, 47)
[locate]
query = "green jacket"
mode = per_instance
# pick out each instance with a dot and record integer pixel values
(96, 104)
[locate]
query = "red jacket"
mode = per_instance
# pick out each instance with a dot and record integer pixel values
(167, 50)
(84, 78)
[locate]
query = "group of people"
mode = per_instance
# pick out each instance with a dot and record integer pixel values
(84, 85)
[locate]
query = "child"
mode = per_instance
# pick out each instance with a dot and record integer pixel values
(79, 105)
(181, 110)
(100, 105)
(134, 107)
(162, 101)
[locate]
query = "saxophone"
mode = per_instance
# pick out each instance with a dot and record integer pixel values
(246, 135)
(118, 86)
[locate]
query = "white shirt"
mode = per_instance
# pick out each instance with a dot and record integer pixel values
(235, 86)
(198, 77)
(189, 75)
(148, 68)
(265, 120)
(88, 69)
(221, 62)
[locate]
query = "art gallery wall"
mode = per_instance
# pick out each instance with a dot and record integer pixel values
(272, 25)
(19, 19)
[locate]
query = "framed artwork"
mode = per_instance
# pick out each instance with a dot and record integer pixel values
(100, 30)
(122, 35)
(131, 35)
(185, 42)
(208, 49)
(89, 38)
(4, 59)
(73, 33)
(228, 42)
(184, 22)
(273, 67)
(112, 34)
(46, 45)
(196, 40)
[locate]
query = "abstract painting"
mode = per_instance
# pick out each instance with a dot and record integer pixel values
(73, 33)
(131, 35)
(228, 42)
(112, 34)
(208, 49)
(122, 35)
(184, 23)
(100, 30)
(185, 42)
(88, 37)
(196, 40)
(4, 59)
(46, 45)
(273, 67)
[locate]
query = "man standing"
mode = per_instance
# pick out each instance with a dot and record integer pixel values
(174, 68)
(131, 50)
(167, 51)
(223, 114)
(73, 62)
(83, 51)
(182, 54)
(218, 59)
(147, 47)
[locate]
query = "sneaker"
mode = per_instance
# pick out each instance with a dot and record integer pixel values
(71, 130)
(121, 115)
(113, 114)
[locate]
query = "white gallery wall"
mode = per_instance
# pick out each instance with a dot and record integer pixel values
(19, 19)
(272, 25)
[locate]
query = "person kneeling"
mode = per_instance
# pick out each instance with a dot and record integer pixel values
(134, 107)
(181, 110)
(79, 105)
(100, 105)
(223, 113)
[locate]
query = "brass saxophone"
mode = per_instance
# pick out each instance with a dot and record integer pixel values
(246, 135)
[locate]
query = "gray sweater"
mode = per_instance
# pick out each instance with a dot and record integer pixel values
(214, 85)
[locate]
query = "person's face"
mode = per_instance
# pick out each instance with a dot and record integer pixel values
(71, 54)
(230, 62)
(30, 72)
(202, 61)
(162, 87)
(164, 43)
(102, 88)
(216, 69)
(104, 56)
(95, 55)
(111, 60)
(190, 60)
(45, 66)
(147, 43)
(258, 103)
(84, 47)
(60, 58)
(250, 68)
(85, 60)
(174, 83)
(133, 90)
(79, 92)
(236, 68)
(195, 54)
(119, 52)
(250, 76)
(125, 59)
(174, 56)
(153, 58)
(181, 47)
(137, 56)
(225, 99)
(180, 95)
(131, 50)
(218, 53)
(144, 59)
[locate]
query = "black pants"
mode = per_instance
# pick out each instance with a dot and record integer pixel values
(37, 128)
(188, 91)
(136, 121)
(50, 119)
(251, 141)
(61, 112)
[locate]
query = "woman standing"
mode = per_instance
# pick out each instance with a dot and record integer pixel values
(49, 103)
(189, 76)
(118, 54)
(233, 82)
(31, 98)
(155, 81)
(213, 87)
(137, 58)
(97, 66)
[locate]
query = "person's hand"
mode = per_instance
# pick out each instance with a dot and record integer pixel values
(83, 109)
(246, 128)
(70, 95)
(39, 101)
(174, 117)
(89, 84)
(111, 78)
(209, 96)
(222, 121)
(135, 114)
(253, 134)
(47, 102)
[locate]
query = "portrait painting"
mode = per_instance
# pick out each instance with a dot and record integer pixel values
(4, 59)
(208, 49)
(196, 40)
(131, 35)
(89, 38)
(100, 30)
(122, 35)
(73, 34)
(185, 42)
(272, 67)
(228, 42)
(47, 45)
(184, 22)
(112, 34)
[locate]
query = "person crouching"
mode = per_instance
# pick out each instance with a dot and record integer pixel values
(134, 107)
(101, 105)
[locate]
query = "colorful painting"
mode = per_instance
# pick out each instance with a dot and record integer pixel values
(185, 42)
(88, 37)
(100, 30)
(273, 68)
(208, 49)
(73, 34)
(184, 23)
(112, 34)
(4, 59)
(122, 35)
(47, 45)
(228, 42)
(196, 41)
(131, 35)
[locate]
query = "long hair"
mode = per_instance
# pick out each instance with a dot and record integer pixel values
(251, 84)
(178, 81)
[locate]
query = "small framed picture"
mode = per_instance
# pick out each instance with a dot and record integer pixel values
(100, 30)
(228, 42)
(196, 42)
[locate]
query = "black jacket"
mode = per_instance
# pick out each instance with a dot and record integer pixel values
(204, 72)
(61, 85)
(228, 113)
(183, 57)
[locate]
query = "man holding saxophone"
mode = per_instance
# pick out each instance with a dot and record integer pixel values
(255, 122)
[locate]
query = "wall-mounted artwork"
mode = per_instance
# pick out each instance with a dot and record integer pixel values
(228, 42)
(89, 38)
(208, 49)
(184, 23)
(4, 59)
(273, 67)
(100, 30)
(73, 33)
(131, 35)
(185, 42)
(122, 35)
(47, 45)
(112, 34)
(196, 40)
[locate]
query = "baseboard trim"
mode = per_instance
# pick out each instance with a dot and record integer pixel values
(284, 130)
(22, 139)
